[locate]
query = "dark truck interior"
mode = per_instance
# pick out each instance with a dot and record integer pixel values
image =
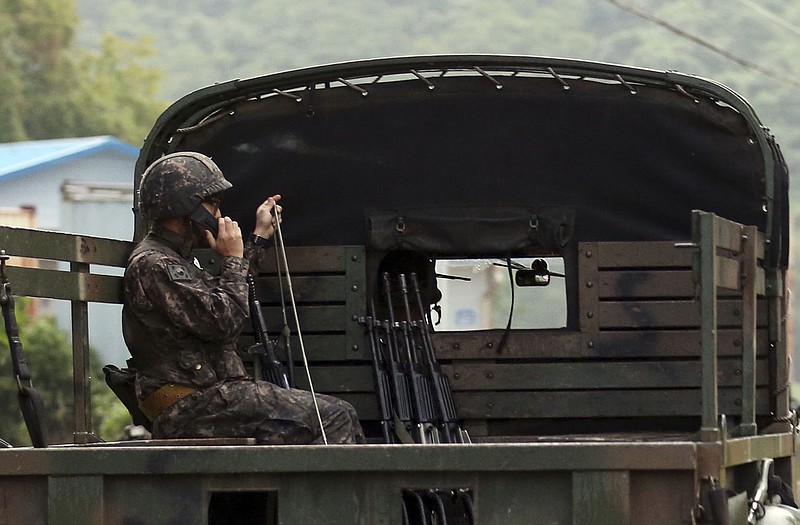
(398, 166)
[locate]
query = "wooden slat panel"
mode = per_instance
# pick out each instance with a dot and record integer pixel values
(729, 279)
(324, 318)
(337, 379)
(588, 376)
(307, 259)
(667, 283)
(677, 343)
(549, 376)
(728, 234)
(658, 254)
(646, 284)
(539, 405)
(539, 377)
(102, 289)
(41, 244)
(327, 347)
(365, 404)
(729, 273)
(323, 288)
(590, 404)
(662, 314)
(562, 345)
(520, 344)
(35, 282)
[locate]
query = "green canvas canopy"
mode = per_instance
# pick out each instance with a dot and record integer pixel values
(599, 152)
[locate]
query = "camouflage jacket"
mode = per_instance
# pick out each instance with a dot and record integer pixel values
(181, 323)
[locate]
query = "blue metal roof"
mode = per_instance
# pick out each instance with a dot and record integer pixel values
(19, 158)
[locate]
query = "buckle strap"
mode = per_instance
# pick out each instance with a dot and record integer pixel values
(163, 398)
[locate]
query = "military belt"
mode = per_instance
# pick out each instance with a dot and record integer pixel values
(163, 398)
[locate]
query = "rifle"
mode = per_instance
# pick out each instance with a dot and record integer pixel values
(399, 385)
(426, 506)
(420, 390)
(30, 401)
(430, 386)
(434, 383)
(381, 379)
(441, 383)
(271, 369)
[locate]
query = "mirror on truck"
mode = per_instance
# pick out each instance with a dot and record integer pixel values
(538, 275)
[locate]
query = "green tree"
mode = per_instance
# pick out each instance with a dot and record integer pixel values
(49, 355)
(50, 88)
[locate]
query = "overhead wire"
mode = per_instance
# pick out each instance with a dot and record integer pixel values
(749, 64)
(772, 16)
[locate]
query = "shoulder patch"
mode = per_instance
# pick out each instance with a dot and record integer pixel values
(178, 272)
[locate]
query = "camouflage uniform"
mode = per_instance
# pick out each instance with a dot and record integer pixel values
(180, 324)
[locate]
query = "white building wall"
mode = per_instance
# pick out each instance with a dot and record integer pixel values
(41, 189)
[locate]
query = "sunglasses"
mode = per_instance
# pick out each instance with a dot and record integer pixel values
(214, 201)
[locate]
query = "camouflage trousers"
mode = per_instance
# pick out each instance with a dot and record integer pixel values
(261, 410)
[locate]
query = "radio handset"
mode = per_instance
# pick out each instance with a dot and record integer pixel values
(202, 217)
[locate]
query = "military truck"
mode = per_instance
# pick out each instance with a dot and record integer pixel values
(600, 252)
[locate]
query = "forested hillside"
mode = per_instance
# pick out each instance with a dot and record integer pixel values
(747, 45)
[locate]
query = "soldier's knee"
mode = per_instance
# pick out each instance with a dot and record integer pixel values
(339, 424)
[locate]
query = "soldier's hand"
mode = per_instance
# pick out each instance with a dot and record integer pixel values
(229, 241)
(265, 219)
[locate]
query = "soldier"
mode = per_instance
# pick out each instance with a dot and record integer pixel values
(181, 323)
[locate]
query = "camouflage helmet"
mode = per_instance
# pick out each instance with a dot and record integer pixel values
(176, 184)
